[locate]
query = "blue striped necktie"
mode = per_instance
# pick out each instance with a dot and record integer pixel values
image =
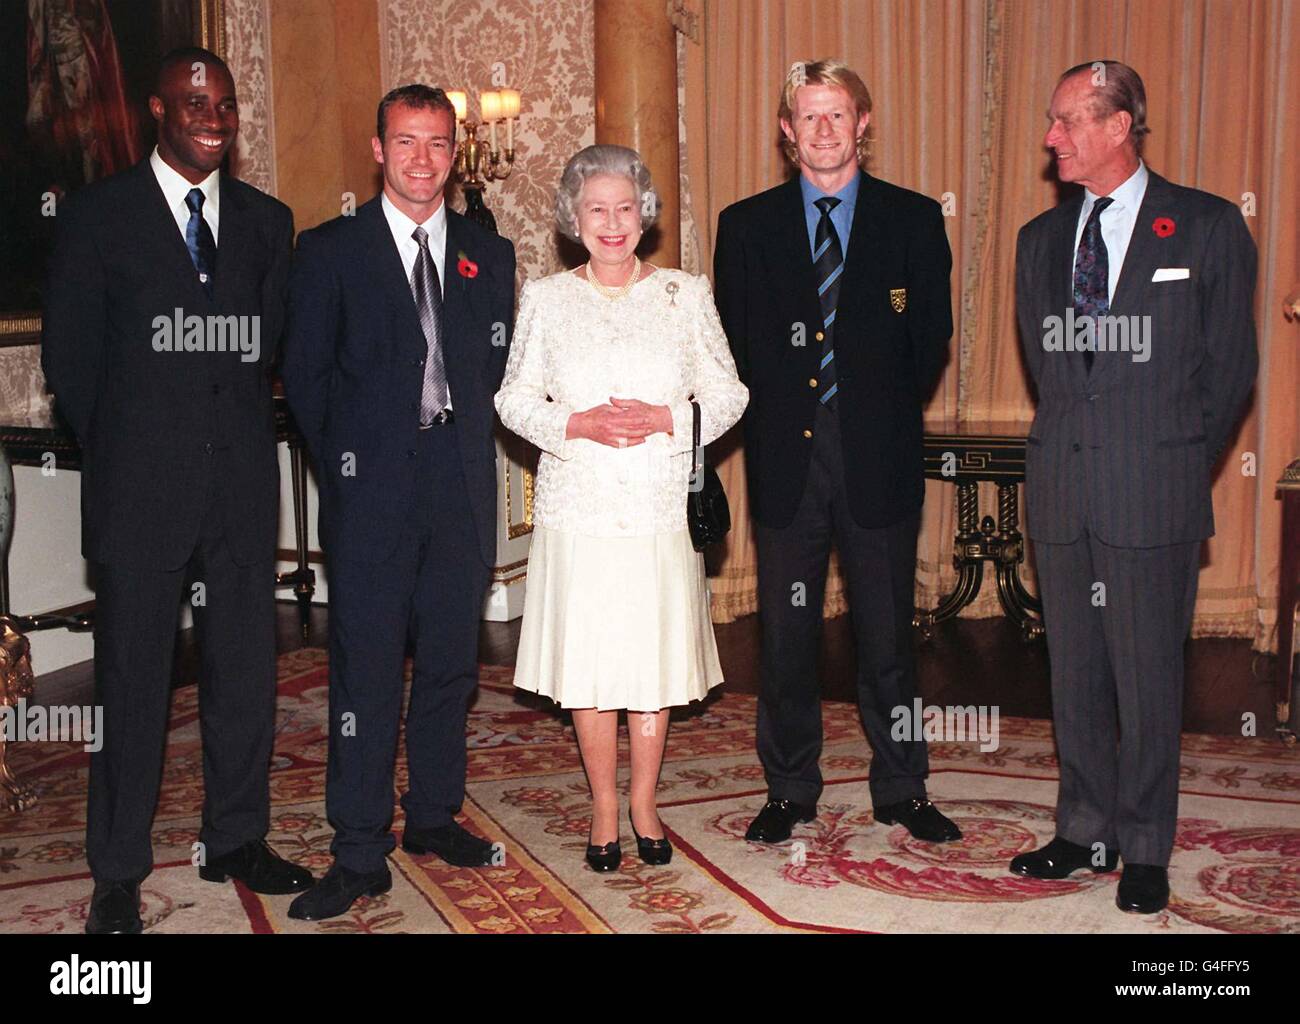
(828, 263)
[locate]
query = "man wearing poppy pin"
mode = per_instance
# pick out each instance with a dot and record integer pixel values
(1119, 463)
(399, 327)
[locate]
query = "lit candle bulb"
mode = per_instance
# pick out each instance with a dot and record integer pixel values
(509, 110)
(490, 106)
(461, 105)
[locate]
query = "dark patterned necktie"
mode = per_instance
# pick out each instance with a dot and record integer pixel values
(1092, 273)
(828, 264)
(199, 240)
(428, 302)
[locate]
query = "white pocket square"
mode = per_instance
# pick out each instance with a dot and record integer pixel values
(1171, 274)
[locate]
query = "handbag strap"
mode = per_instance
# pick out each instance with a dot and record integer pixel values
(695, 438)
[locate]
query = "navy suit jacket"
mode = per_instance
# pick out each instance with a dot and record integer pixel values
(149, 421)
(354, 369)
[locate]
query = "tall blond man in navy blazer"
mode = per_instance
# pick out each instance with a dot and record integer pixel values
(834, 291)
(1120, 460)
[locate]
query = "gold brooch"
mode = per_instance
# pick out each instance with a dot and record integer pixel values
(898, 299)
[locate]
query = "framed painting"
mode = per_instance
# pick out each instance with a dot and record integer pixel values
(75, 78)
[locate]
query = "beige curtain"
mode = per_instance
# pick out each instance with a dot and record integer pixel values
(960, 90)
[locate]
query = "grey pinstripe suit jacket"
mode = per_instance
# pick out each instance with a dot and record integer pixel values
(1129, 448)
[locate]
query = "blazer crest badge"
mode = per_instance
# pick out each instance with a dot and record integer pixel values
(898, 299)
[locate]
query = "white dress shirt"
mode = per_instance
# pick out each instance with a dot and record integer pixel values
(175, 189)
(1117, 222)
(408, 248)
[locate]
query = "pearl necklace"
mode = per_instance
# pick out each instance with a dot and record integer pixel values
(621, 290)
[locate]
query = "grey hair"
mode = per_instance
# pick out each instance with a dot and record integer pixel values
(1117, 87)
(594, 160)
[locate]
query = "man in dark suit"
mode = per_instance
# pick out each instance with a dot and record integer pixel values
(400, 320)
(1135, 404)
(164, 305)
(833, 290)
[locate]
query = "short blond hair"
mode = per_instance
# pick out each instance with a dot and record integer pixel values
(825, 72)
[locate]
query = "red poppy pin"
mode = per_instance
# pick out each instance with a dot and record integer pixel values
(466, 266)
(1163, 226)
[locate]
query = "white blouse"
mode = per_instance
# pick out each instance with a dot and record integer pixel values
(574, 348)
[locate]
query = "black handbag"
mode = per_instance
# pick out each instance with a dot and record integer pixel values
(707, 512)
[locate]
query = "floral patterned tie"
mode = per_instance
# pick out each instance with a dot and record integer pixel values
(1092, 273)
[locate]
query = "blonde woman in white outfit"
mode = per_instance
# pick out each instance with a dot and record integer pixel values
(603, 366)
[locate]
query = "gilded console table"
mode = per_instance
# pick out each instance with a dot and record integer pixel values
(964, 455)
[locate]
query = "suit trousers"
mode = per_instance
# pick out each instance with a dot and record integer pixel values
(430, 589)
(879, 569)
(136, 617)
(1116, 620)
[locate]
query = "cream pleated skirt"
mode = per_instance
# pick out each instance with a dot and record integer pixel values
(616, 622)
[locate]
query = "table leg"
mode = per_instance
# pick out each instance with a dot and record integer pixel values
(970, 570)
(1286, 605)
(1021, 606)
(306, 586)
(303, 578)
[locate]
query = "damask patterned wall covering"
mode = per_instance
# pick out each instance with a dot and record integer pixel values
(543, 48)
(248, 52)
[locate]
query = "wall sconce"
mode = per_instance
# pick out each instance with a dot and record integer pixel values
(480, 161)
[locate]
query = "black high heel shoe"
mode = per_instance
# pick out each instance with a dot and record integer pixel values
(604, 858)
(651, 851)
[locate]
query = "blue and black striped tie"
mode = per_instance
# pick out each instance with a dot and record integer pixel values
(828, 263)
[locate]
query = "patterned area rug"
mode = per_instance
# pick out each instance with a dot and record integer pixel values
(1236, 865)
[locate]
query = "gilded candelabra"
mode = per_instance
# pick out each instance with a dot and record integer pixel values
(480, 161)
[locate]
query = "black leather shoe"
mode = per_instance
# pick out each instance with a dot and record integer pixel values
(777, 819)
(337, 891)
(1143, 889)
(114, 909)
(452, 843)
(651, 851)
(921, 818)
(1060, 859)
(605, 858)
(258, 867)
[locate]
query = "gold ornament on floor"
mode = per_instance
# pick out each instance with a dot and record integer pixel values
(16, 684)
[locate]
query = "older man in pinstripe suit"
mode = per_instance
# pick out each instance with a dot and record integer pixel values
(1134, 305)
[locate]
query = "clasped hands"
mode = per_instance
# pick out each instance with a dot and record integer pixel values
(621, 423)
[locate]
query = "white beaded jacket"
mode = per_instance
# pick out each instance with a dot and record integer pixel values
(574, 348)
